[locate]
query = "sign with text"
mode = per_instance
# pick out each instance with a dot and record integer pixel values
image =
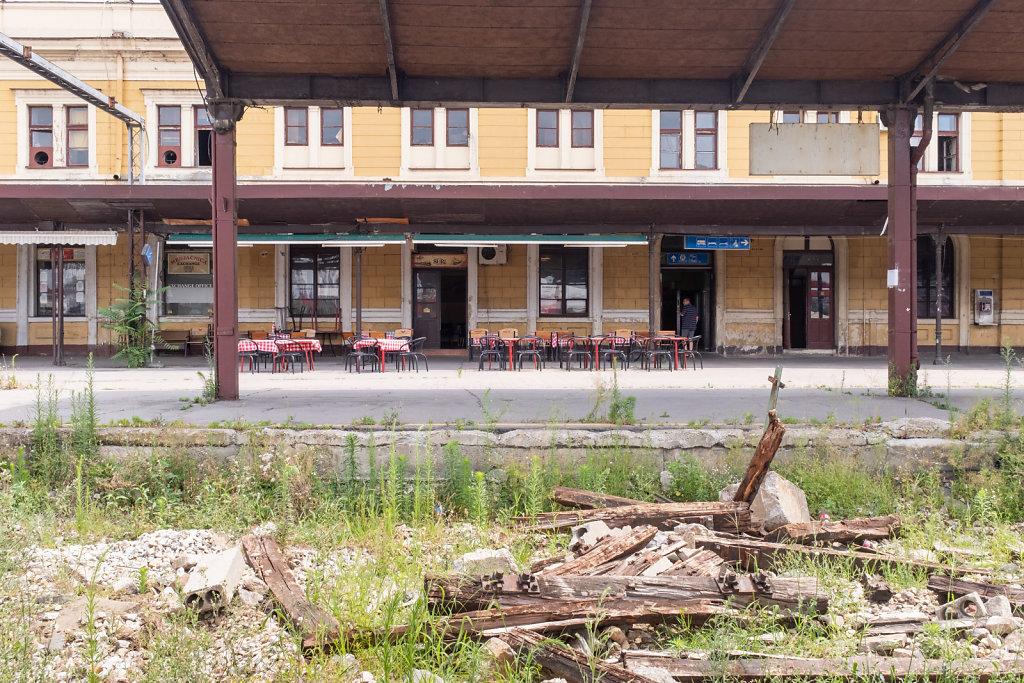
(70, 254)
(703, 242)
(188, 262)
(429, 260)
(687, 258)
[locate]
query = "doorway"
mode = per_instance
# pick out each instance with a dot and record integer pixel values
(439, 299)
(808, 301)
(694, 283)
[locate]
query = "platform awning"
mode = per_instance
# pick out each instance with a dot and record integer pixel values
(315, 240)
(559, 240)
(70, 237)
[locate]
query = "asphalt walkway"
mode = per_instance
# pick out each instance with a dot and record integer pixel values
(726, 391)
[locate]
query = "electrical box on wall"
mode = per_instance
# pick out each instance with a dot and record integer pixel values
(984, 307)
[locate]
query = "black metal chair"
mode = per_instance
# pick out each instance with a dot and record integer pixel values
(655, 349)
(363, 356)
(491, 349)
(578, 350)
(531, 347)
(691, 351)
(414, 354)
(612, 349)
(290, 353)
(250, 352)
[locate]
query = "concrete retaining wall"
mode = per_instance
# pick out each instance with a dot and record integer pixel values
(914, 443)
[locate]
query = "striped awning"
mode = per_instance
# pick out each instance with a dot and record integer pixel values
(69, 237)
(341, 240)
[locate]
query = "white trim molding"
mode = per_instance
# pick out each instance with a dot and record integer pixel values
(60, 100)
(689, 173)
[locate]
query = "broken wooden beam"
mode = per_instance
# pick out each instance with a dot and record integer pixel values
(608, 549)
(318, 627)
(762, 460)
(844, 531)
(876, 589)
(754, 555)
(579, 498)
(728, 516)
(794, 595)
(948, 588)
(800, 668)
(562, 661)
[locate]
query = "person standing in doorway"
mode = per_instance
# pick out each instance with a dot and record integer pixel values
(688, 320)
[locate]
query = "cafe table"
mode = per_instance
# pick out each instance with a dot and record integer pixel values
(386, 345)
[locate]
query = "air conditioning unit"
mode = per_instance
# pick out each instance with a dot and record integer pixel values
(494, 256)
(40, 157)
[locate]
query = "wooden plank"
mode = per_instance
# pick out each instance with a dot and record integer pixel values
(728, 516)
(760, 555)
(697, 563)
(844, 531)
(801, 594)
(318, 627)
(859, 668)
(608, 549)
(763, 456)
(573, 666)
(949, 588)
(578, 498)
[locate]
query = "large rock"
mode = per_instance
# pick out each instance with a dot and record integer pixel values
(486, 561)
(778, 502)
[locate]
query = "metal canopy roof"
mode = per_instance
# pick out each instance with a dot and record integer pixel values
(627, 53)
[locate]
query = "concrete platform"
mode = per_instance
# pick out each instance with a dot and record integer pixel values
(726, 391)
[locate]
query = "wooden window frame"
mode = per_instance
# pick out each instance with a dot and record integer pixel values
(955, 134)
(787, 112)
(536, 139)
(831, 117)
(698, 132)
(37, 267)
(37, 128)
(304, 127)
(678, 132)
(161, 127)
(413, 127)
(573, 128)
(340, 140)
(562, 253)
(197, 128)
(448, 127)
(68, 128)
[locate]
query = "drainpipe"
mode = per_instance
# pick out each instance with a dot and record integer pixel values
(940, 243)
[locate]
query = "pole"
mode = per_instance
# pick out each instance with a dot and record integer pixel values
(59, 359)
(652, 283)
(53, 303)
(225, 263)
(940, 243)
(359, 291)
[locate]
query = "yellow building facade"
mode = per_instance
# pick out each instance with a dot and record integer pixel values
(793, 285)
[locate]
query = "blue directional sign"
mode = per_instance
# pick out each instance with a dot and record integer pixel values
(702, 242)
(687, 258)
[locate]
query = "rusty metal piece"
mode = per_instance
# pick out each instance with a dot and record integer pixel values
(527, 583)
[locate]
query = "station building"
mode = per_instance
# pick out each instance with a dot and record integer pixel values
(477, 217)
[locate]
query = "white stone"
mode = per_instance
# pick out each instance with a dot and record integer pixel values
(499, 652)
(254, 584)
(249, 598)
(423, 676)
(588, 534)
(777, 502)
(991, 642)
(998, 606)
(486, 561)
(212, 583)
(1000, 626)
(127, 586)
(667, 479)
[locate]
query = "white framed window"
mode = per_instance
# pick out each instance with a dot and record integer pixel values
(311, 139)
(949, 149)
(439, 139)
(56, 135)
(565, 140)
(809, 116)
(177, 134)
(685, 142)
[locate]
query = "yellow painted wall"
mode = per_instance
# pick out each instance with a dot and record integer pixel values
(75, 334)
(625, 279)
(627, 143)
(866, 292)
(9, 125)
(737, 141)
(111, 267)
(504, 286)
(382, 278)
(501, 142)
(255, 136)
(256, 277)
(8, 291)
(749, 277)
(376, 141)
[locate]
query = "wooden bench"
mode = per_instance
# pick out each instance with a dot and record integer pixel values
(173, 340)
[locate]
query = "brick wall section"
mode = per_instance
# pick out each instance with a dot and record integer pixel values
(255, 140)
(8, 290)
(504, 286)
(868, 261)
(501, 142)
(625, 278)
(748, 281)
(382, 277)
(627, 143)
(256, 277)
(111, 267)
(737, 142)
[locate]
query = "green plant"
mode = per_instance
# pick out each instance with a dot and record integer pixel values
(481, 502)
(902, 386)
(7, 378)
(83, 416)
(748, 418)
(621, 409)
(127, 317)
(209, 379)
(143, 582)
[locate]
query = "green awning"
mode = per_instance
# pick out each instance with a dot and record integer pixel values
(342, 240)
(563, 240)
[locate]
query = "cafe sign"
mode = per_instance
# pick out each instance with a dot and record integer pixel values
(188, 263)
(430, 260)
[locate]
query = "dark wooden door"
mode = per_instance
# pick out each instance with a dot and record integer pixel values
(426, 319)
(820, 308)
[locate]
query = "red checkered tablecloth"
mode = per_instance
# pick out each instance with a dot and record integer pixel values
(383, 344)
(270, 345)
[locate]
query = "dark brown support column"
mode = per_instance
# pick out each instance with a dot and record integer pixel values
(653, 273)
(359, 292)
(939, 241)
(902, 239)
(225, 256)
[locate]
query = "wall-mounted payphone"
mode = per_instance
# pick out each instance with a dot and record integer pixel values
(984, 307)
